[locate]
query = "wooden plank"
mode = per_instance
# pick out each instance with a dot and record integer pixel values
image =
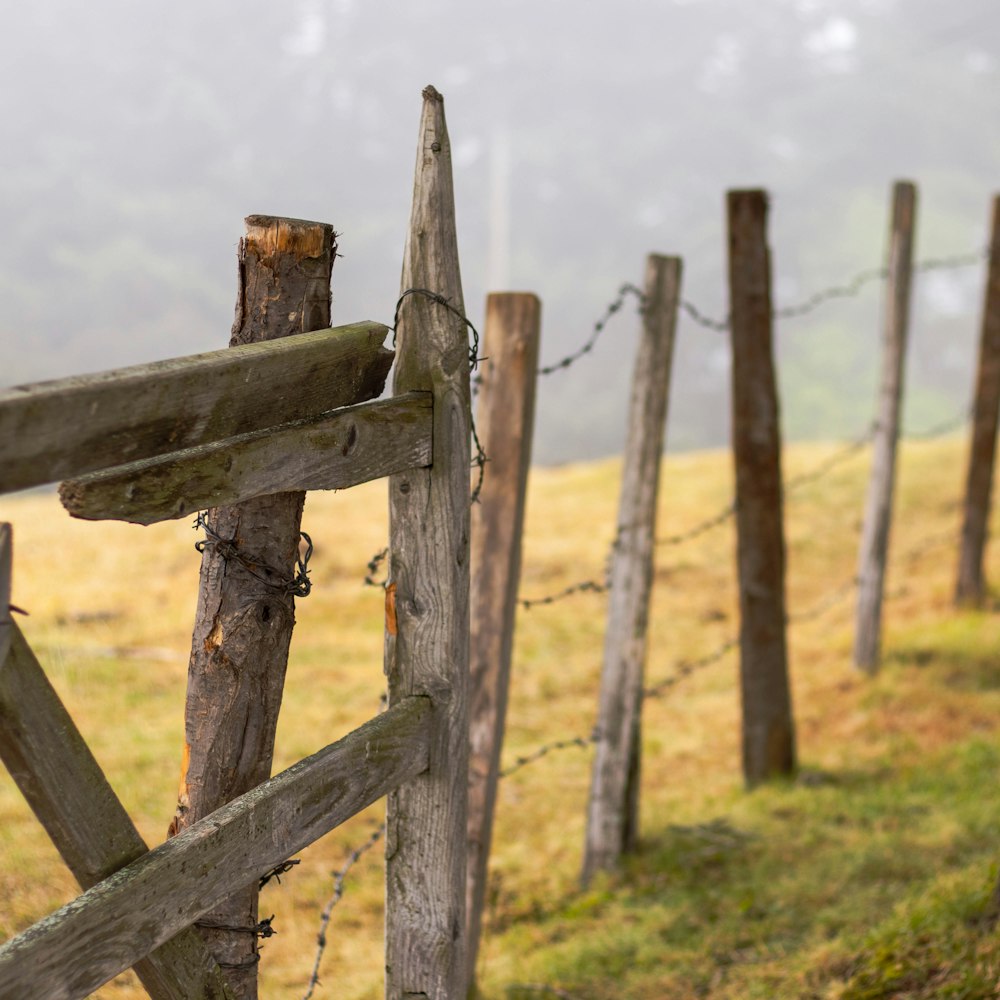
(353, 445)
(246, 604)
(6, 565)
(427, 620)
(505, 423)
(970, 589)
(768, 729)
(68, 792)
(612, 815)
(874, 547)
(85, 943)
(64, 428)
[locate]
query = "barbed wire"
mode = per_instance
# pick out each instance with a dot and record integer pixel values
(512, 989)
(940, 429)
(583, 742)
(615, 306)
(849, 289)
(685, 668)
(479, 460)
(298, 585)
(338, 893)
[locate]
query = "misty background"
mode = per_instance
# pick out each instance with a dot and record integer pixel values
(136, 138)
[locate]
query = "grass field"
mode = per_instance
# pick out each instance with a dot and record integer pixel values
(867, 877)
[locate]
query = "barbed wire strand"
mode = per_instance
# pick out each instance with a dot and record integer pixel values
(338, 893)
(624, 292)
(850, 289)
(479, 460)
(553, 991)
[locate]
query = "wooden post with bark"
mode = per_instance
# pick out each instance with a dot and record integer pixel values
(505, 422)
(246, 607)
(612, 820)
(970, 589)
(427, 597)
(878, 506)
(768, 727)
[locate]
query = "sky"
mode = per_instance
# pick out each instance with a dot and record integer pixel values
(585, 136)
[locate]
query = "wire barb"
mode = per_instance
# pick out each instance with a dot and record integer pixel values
(298, 586)
(588, 345)
(338, 892)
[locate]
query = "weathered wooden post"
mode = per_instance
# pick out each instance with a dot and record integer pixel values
(6, 562)
(505, 422)
(768, 727)
(878, 507)
(971, 587)
(612, 820)
(246, 607)
(427, 598)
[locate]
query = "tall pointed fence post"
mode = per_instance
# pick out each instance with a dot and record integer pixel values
(505, 421)
(427, 598)
(768, 726)
(878, 506)
(612, 816)
(246, 607)
(971, 586)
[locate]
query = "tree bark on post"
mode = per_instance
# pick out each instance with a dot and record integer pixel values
(505, 419)
(427, 597)
(878, 506)
(768, 727)
(612, 820)
(971, 587)
(246, 607)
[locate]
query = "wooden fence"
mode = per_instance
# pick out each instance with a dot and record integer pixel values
(284, 414)
(225, 428)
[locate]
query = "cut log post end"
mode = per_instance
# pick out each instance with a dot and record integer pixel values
(268, 236)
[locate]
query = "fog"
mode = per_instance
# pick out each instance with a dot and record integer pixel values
(585, 136)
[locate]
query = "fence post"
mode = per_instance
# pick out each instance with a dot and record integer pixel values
(768, 726)
(427, 598)
(505, 422)
(878, 506)
(612, 812)
(246, 610)
(971, 587)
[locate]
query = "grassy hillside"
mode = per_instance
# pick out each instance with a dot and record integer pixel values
(867, 877)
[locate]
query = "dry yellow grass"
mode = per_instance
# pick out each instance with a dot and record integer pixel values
(111, 608)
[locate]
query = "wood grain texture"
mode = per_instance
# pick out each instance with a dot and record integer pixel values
(72, 952)
(970, 589)
(612, 820)
(768, 728)
(350, 446)
(64, 428)
(68, 792)
(505, 420)
(6, 586)
(427, 634)
(874, 548)
(246, 612)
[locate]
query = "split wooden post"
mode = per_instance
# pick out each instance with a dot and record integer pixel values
(612, 816)
(971, 587)
(878, 506)
(246, 611)
(768, 727)
(427, 597)
(505, 422)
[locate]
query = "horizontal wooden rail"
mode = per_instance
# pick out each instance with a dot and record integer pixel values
(353, 445)
(111, 926)
(68, 427)
(68, 792)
